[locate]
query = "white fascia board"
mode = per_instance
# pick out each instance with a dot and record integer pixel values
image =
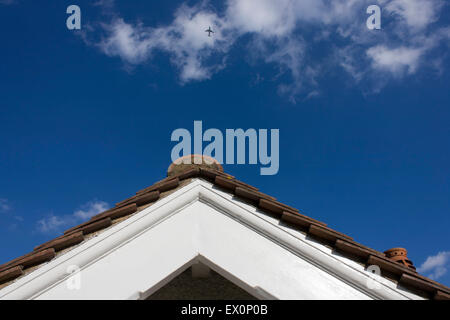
(328, 259)
(94, 249)
(317, 254)
(185, 226)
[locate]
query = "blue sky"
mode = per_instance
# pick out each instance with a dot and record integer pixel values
(86, 116)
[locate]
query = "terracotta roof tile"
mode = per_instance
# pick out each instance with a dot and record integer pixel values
(37, 248)
(126, 201)
(252, 194)
(411, 281)
(63, 242)
(299, 219)
(226, 183)
(441, 296)
(274, 206)
(12, 262)
(355, 249)
(92, 227)
(168, 184)
(194, 172)
(327, 233)
(116, 212)
(11, 273)
(143, 198)
(37, 258)
(32, 259)
(212, 174)
(148, 197)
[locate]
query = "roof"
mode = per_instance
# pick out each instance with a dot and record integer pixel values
(342, 243)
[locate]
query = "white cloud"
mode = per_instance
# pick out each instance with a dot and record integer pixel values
(345, 57)
(55, 223)
(288, 54)
(436, 266)
(418, 14)
(270, 18)
(276, 33)
(90, 209)
(132, 44)
(395, 60)
(184, 40)
(4, 205)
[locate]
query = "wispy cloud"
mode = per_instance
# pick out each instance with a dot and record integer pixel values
(90, 209)
(9, 217)
(184, 40)
(396, 60)
(56, 223)
(417, 14)
(276, 33)
(8, 2)
(436, 266)
(4, 205)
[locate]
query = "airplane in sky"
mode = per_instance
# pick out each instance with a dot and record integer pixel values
(209, 31)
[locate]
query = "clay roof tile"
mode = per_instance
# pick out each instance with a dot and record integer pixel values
(341, 242)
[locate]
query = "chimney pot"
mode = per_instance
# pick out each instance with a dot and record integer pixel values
(400, 255)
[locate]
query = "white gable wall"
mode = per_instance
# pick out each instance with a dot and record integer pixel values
(201, 223)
